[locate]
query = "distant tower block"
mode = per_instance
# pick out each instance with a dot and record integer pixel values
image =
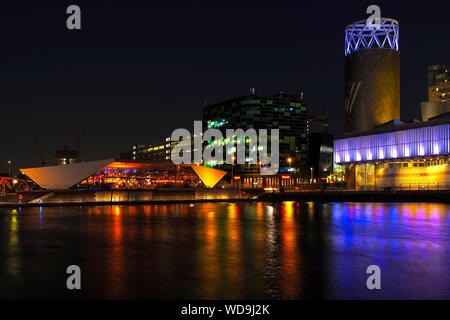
(372, 75)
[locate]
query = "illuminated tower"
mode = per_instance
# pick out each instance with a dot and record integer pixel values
(372, 74)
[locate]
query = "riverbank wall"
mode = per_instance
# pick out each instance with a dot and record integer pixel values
(167, 196)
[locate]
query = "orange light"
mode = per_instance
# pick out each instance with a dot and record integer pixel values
(118, 164)
(237, 178)
(285, 177)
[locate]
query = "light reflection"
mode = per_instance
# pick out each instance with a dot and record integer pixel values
(208, 259)
(14, 248)
(241, 250)
(290, 253)
(271, 264)
(116, 254)
(387, 234)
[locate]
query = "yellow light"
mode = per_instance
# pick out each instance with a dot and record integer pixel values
(14, 181)
(209, 176)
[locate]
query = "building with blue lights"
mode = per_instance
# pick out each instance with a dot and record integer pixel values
(406, 156)
(379, 151)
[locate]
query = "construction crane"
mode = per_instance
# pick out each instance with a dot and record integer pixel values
(39, 151)
(77, 133)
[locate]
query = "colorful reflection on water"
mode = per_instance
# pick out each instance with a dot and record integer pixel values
(255, 250)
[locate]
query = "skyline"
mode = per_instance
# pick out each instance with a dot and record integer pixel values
(105, 79)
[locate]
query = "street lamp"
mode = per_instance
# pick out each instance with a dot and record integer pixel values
(289, 160)
(9, 169)
(312, 174)
(259, 179)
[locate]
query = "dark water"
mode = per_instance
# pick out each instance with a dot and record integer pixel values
(227, 251)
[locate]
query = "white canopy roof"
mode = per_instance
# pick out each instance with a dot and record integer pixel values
(64, 176)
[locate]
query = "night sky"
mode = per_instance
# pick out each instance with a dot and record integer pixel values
(138, 70)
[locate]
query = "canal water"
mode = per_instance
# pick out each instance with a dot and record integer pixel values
(254, 250)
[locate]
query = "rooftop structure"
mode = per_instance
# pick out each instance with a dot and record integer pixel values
(360, 36)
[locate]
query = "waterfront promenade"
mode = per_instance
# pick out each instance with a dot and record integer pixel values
(192, 195)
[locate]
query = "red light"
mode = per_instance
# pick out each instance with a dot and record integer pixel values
(20, 197)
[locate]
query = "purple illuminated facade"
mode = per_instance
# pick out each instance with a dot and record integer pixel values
(361, 35)
(417, 141)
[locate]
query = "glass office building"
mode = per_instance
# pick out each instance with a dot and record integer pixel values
(285, 112)
(438, 93)
(438, 84)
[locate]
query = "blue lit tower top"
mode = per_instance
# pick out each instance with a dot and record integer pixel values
(360, 35)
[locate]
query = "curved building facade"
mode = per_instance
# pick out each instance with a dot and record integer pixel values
(372, 74)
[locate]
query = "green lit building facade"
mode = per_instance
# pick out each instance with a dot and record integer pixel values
(285, 112)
